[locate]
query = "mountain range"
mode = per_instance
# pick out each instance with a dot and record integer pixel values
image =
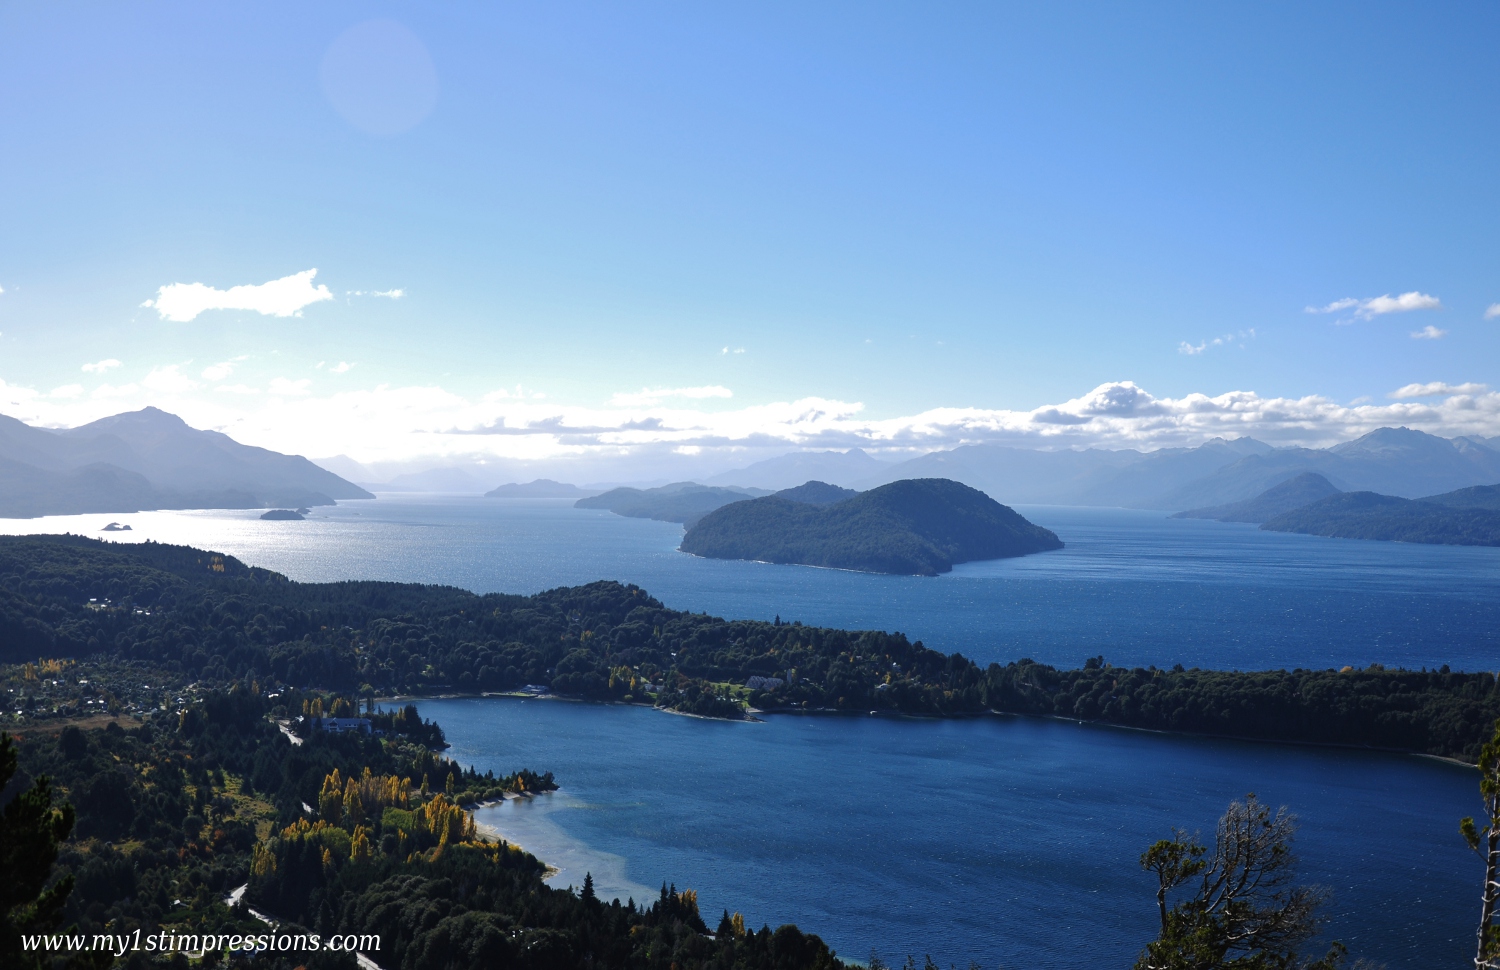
(150, 459)
(1393, 461)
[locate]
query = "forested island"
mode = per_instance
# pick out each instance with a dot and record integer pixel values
(918, 527)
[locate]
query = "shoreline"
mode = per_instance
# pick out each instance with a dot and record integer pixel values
(831, 712)
(492, 833)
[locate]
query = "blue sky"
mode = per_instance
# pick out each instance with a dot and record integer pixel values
(982, 207)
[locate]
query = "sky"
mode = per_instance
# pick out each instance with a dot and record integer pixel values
(713, 233)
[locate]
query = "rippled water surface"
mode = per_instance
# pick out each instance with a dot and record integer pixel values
(1135, 586)
(1010, 841)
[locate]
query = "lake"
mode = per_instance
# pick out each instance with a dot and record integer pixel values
(1009, 841)
(1137, 587)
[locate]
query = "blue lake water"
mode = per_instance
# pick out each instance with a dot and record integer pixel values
(1009, 841)
(1137, 587)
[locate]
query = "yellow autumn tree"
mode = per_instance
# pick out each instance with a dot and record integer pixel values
(331, 798)
(354, 809)
(359, 847)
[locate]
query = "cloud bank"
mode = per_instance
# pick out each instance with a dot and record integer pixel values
(1435, 389)
(653, 430)
(286, 297)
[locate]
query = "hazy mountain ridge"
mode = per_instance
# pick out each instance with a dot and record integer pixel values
(792, 469)
(1397, 461)
(1294, 493)
(150, 459)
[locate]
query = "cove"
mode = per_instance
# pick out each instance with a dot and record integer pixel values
(1009, 841)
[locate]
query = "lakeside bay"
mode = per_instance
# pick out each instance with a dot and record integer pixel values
(1011, 841)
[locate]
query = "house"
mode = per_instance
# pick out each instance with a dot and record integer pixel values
(342, 725)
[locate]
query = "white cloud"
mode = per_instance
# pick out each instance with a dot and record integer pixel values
(165, 379)
(1435, 389)
(236, 389)
(99, 367)
(741, 350)
(387, 423)
(67, 391)
(1429, 332)
(282, 387)
(286, 297)
(648, 396)
(384, 294)
(1492, 311)
(1239, 337)
(1379, 305)
(342, 367)
(221, 370)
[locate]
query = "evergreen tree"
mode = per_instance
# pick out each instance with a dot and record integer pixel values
(30, 829)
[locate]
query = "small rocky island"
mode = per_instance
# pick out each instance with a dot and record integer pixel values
(916, 527)
(283, 515)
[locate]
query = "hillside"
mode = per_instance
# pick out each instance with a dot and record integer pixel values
(1474, 497)
(1303, 489)
(684, 502)
(1367, 515)
(150, 459)
(915, 527)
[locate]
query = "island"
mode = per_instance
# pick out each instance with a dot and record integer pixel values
(283, 515)
(684, 502)
(540, 488)
(115, 527)
(914, 527)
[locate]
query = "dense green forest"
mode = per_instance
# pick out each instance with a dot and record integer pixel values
(920, 527)
(340, 834)
(1367, 515)
(163, 618)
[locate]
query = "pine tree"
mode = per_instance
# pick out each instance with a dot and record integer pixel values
(30, 829)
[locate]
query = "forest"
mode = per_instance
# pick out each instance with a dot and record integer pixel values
(162, 621)
(1367, 515)
(914, 527)
(340, 834)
